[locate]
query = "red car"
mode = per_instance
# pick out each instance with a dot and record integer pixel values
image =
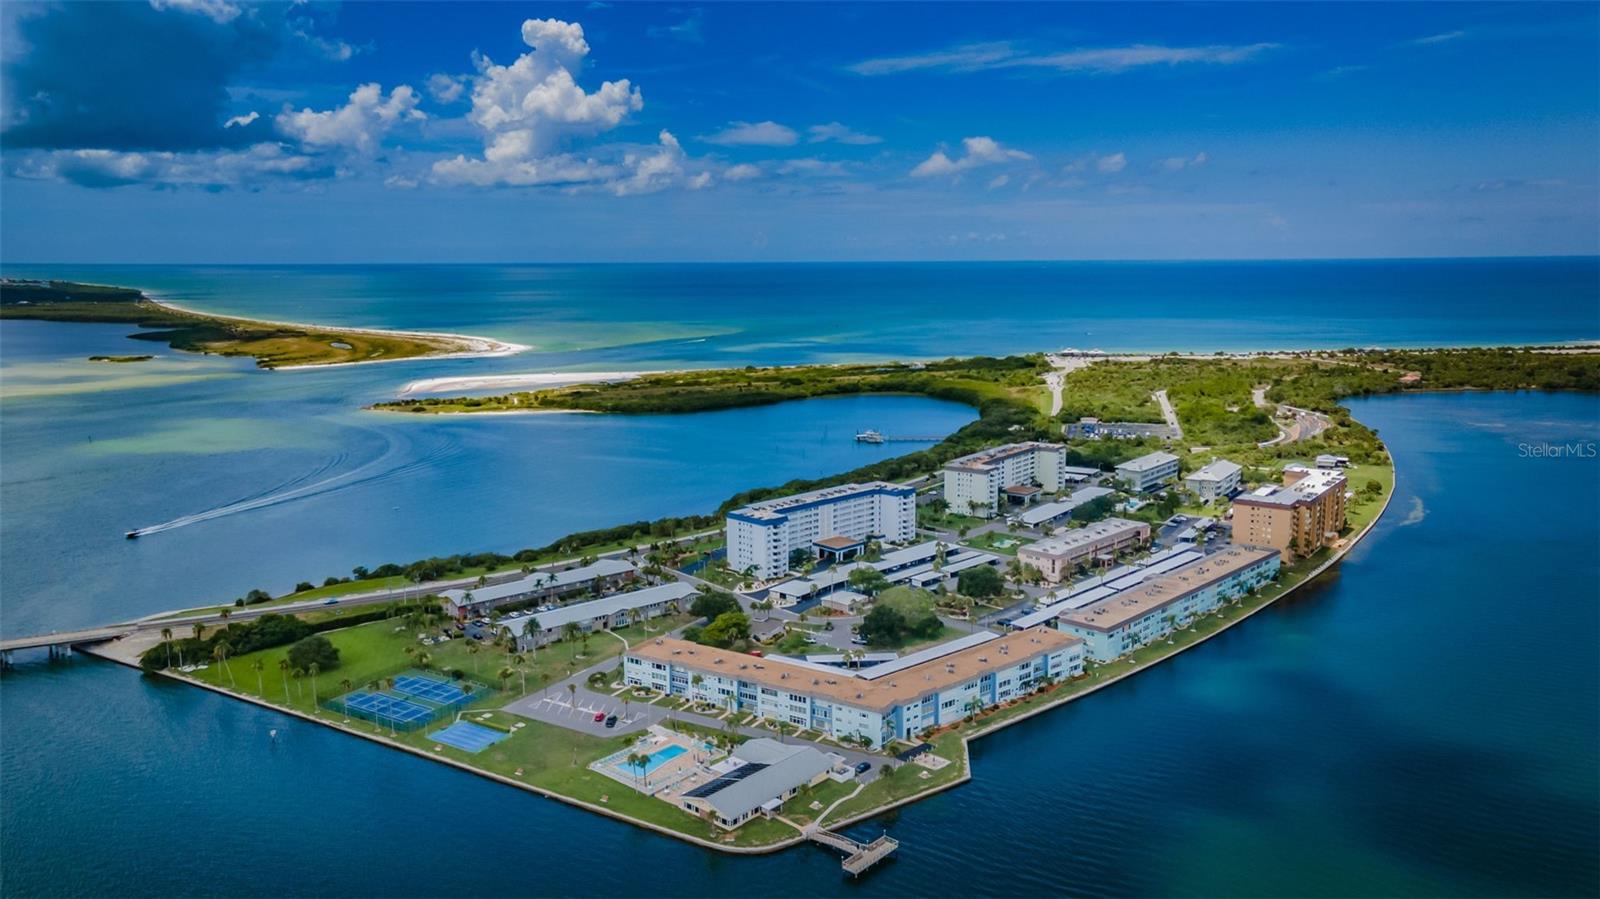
(599, 716)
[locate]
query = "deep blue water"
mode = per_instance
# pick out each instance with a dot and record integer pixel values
(1423, 722)
(701, 314)
(341, 487)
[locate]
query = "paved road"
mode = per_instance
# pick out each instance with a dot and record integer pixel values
(184, 622)
(1305, 425)
(1169, 414)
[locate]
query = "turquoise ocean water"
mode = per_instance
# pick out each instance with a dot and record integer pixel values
(1422, 723)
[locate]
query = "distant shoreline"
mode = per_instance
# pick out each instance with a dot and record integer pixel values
(500, 382)
(476, 347)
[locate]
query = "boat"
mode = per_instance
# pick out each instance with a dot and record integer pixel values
(132, 535)
(869, 436)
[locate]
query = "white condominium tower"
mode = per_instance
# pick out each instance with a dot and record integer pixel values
(834, 522)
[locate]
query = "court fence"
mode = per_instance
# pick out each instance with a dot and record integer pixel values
(407, 701)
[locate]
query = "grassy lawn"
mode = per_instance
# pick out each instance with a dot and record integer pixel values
(378, 649)
(547, 755)
(947, 521)
(999, 542)
(907, 780)
(912, 644)
(829, 791)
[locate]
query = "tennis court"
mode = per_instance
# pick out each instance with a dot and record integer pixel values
(469, 737)
(411, 700)
(420, 687)
(386, 708)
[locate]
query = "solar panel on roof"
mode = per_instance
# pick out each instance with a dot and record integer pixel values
(723, 782)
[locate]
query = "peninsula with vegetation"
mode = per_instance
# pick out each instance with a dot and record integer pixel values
(745, 681)
(274, 345)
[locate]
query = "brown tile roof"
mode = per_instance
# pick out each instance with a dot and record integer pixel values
(880, 694)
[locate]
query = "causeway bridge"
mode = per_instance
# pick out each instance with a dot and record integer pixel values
(61, 643)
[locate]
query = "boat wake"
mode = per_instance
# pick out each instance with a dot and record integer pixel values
(386, 467)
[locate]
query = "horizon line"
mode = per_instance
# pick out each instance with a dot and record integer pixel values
(887, 261)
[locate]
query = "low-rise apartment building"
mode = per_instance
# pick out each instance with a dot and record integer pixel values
(891, 701)
(761, 536)
(1056, 556)
(534, 629)
(1298, 518)
(599, 577)
(1215, 481)
(973, 483)
(1147, 472)
(1115, 626)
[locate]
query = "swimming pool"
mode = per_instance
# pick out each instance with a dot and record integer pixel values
(653, 761)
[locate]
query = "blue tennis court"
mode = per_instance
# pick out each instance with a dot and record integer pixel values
(467, 736)
(427, 688)
(389, 708)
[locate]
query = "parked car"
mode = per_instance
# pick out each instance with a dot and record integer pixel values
(863, 767)
(859, 641)
(599, 716)
(611, 721)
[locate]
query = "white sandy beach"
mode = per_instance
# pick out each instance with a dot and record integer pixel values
(472, 346)
(516, 382)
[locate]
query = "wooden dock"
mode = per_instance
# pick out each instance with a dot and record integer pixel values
(858, 856)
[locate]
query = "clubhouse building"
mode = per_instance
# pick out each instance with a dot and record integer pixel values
(890, 701)
(834, 523)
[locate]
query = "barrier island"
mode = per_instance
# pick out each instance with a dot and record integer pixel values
(279, 345)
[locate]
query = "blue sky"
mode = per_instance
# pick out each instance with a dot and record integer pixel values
(217, 131)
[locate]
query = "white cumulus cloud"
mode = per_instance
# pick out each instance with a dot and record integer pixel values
(1179, 163)
(1112, 164)
(741, 172)
(754, 134)
(839, 133)
(358, 125)
(529, 112)
(445, 88)
(220, 11)
(980, 151)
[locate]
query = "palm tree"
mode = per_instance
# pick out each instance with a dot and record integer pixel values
(570, 630)
(572, 695)
(504, 674)
(199, 629)
(521, 664)
(166, 637)
(313, 668)
(696, 681)
(472, 652)
(261, 686)
(283, 672)
(220, 654)
(424, 661)
(225, 614)
(345, 686)
(544, 683)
